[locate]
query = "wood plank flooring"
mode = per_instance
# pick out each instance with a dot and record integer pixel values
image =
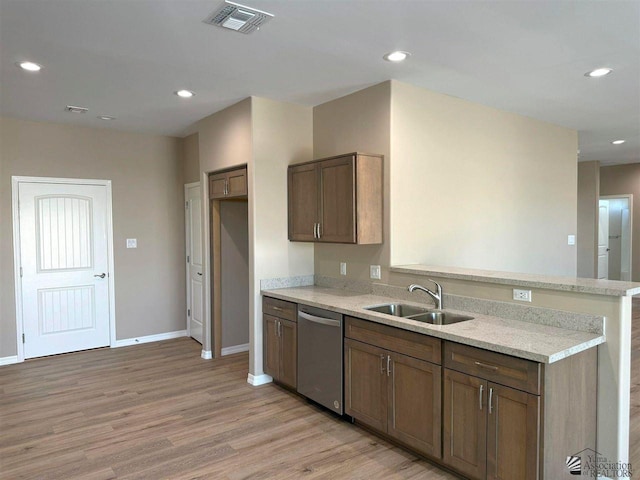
(634, 437)
(157, 411)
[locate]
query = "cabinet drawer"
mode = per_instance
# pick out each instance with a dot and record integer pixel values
(279, 308)
(394, 339)
(496, 367)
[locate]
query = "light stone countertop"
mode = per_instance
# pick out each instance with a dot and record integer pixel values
(612, 288)
(535, 342)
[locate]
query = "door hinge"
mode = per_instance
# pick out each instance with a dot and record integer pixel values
(21, 272)
(23, 338)
(188, 312)
(188, 258)
(186, 204)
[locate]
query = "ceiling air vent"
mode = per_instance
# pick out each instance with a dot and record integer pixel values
(238, 17)
(74, 109)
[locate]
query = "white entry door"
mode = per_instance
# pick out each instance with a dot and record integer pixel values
(603, 239)
(194, 260)
(64, 260)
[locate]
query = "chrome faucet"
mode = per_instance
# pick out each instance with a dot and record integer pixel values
(437, 295)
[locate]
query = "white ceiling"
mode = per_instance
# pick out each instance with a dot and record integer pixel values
(125, 58)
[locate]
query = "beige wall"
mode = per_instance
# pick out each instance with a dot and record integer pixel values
(476, 187)
(267, 136)
(190, 155)
(625, 179)
(147, 186)
(359, 122)
(282, 135)
(587, 239)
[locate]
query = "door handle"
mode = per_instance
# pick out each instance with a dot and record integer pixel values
(102, 275)
(199, 273)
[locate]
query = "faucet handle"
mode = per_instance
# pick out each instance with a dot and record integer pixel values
(437, 284)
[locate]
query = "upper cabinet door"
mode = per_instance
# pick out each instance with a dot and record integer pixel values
(237, 183)
(303, 202)
(337, 205)
(217, 185)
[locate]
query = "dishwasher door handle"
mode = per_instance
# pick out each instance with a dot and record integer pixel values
(324, 321)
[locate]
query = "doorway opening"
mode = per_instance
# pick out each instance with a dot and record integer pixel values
(614, 237)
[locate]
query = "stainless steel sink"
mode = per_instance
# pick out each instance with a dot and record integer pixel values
(397, 309)
(440, 318)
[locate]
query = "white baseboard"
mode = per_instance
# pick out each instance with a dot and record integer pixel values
(149, 338)
(234, 349)
(206, 354)
(8, 360)
(256, 380)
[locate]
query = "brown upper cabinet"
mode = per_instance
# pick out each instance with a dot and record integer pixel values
(337, 200)
(228, 184)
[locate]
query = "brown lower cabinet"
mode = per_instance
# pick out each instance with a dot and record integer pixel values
(490, 431)
(392, 392)
(280, 341)
(484, 414)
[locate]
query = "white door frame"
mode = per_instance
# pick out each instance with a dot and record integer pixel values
(187, 233)
(15, 181)
(629, 197)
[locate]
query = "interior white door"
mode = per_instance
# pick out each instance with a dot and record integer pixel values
(64, 260)
(625, 269)
(603, 239)
(194, 261)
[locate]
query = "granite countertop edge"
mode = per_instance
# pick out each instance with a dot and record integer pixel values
(614, 288)
(539, 343)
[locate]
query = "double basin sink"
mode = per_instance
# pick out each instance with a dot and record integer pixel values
(419, 314)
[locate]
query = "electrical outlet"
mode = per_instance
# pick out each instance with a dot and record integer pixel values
(522, 295)
(375, 272)
(343, 268)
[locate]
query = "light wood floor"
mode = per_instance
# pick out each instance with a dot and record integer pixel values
(634, 439)
(158, 411)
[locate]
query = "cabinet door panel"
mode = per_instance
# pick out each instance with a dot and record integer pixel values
(237, 183)
(271, 346)
(337, 193)
(365, 384)
(465, 424)
(414, 404)
(217, 185)
(303, 202)
(513, 435)
(288, 352)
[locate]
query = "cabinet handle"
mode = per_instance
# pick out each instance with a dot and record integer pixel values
(279, 333)
(315, 230)
(226, 188)
(480, 396)
(277, 309)
(484, 365)
(381, 364)
(490, 400)
(388, 365)
(319, 230)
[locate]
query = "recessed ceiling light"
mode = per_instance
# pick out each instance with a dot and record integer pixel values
(29, 66)
(106, 117)
(185, 93)
(598, 72)
(618, 142)
(396, 56)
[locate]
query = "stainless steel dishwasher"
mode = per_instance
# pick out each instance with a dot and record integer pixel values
(320, 357)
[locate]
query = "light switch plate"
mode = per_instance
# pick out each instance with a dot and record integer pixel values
(132, 243)
(571, 240)
(343, 268)
(374, 272)
(522, 295)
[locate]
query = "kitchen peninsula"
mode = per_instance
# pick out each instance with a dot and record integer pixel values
(567, 320)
